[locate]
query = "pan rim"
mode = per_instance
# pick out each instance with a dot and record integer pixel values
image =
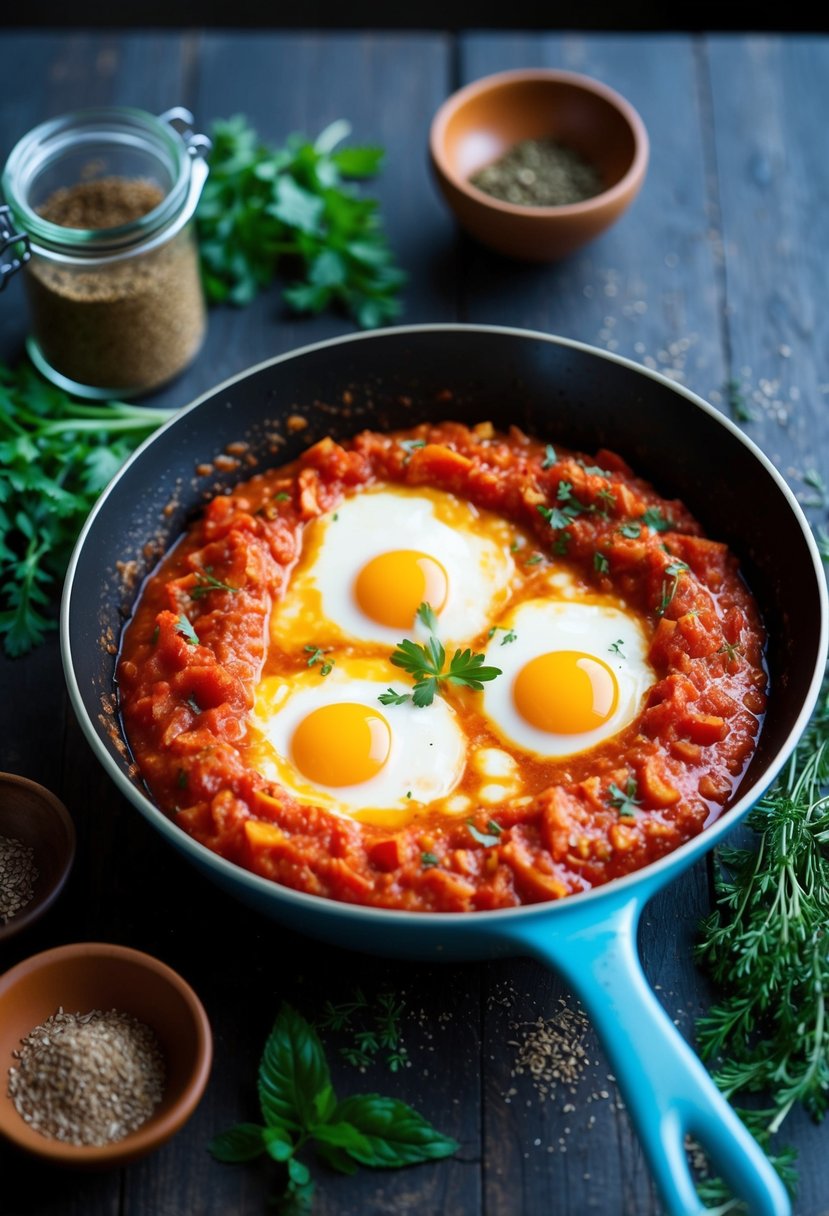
(646, 880)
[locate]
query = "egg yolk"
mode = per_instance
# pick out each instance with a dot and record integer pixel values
(341, 744)
(391, 587)
(565, 692)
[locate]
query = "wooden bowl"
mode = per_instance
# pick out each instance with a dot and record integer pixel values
(33, 815)
(93, 975)
(481, 122)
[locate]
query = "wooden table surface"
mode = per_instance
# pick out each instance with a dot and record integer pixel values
(717, 274)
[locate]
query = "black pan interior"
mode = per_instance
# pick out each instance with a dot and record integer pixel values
(560, 393)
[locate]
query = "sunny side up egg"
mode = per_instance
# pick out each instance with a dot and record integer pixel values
(573, 664)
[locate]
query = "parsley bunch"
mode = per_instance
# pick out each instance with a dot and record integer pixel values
(298, 1105)
(767, 945)
(292, 210)
(55, 458)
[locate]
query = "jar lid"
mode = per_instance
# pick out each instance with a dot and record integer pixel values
(113, 142)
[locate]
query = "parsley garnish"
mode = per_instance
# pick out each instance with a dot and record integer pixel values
(194, 705)
(625, 800)
(732, 650)
(428, 860)
(561, 544)
(298, 1103)
(631, 530)
(208, 583)
(181, 779)
(56, 456)
(425, 661)
(601, 563)
(654, 519)
(390, 697)
(560, 516)
(616, 647)
(534, 559)
(550, 457)
(509, 634)
(411, 445)
(282, 497)
(154, 635)
(264, 210)
(318, 656)
(186, 630)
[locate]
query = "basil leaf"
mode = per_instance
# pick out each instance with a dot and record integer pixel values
(278, 1143)
(336, 1158)
(396, 1134)
(240, 1143)
(293, 1071)
(324, 1103)
(340, 1134)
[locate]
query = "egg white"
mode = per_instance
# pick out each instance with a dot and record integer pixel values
(428, 747)
(542, 626)
(473, 547)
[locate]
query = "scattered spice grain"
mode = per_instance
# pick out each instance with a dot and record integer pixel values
(128, 323)
(18, 875)
(552, 1050)
(539, 173)
(87, 1078)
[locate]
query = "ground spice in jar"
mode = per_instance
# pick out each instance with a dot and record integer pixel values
(539, 173)
(87, 1078)
(18, 875)
(127, 324)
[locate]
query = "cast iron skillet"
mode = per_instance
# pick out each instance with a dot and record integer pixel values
(560, 391)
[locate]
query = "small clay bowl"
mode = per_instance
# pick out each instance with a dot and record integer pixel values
(478, 124)
(33, 815)
(93, 975)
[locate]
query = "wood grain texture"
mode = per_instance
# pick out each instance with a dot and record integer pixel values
(715, 269)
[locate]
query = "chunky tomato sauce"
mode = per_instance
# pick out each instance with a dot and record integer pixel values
(198, 645)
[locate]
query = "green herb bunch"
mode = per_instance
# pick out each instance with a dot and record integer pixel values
(298, 1105)
(292, 210)
(767, 944)
(55, 458)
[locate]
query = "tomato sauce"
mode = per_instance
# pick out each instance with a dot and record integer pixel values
(197, 645)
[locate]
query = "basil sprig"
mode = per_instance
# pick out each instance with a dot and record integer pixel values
(298, 1104)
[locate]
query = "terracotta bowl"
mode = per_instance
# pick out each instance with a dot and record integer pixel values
(92, 975)
(481, 122)
(33, 815)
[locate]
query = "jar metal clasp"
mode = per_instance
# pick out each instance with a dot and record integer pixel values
(11, 261)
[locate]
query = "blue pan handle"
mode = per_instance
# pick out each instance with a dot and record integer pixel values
(667, 1090)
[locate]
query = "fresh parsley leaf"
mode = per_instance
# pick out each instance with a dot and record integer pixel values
(601, 564)
(550, 457)
(625, 801)
(509, 634)
(56, 456)
(427, 860)
(411, 445)
(426, 616)
(390, 697)
(655, 520)
(670, 583)
(616, 648)
(266, 211)
(282, 497)
(534, 559)
(317, 655)
(426, 661)
(632, 530)
(186, 630)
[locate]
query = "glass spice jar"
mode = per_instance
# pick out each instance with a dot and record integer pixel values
(103, 202)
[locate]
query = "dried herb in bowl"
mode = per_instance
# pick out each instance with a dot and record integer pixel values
(539, 173)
